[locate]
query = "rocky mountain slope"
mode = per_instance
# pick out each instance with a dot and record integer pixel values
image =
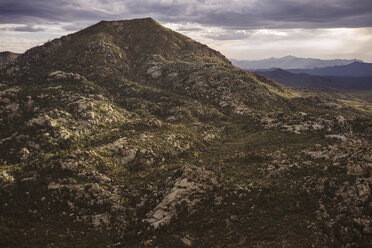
(7, 58)
(127, 134)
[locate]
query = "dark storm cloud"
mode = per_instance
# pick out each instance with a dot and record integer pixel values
(233, 14)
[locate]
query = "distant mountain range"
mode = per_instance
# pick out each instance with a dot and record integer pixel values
(316, 73)
(290, 62)
(356, 69)
(306, 80)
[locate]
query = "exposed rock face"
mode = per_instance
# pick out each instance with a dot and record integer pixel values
(191, 183)
(133, 135)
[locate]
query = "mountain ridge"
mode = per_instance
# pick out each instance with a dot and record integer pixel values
(160, 55)
(355, 69)
(108, 37)
(301, 79)
(290, 62)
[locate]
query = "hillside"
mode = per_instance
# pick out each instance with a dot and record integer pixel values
(7, 58)
(290, 62)
(128, 134)
(305, 80)
(109, 52)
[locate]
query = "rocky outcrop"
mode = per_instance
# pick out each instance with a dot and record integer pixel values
(184, 194)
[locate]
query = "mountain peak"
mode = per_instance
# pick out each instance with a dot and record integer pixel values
(140, 23)
(142, 50)
(136, 20)
(117, 48)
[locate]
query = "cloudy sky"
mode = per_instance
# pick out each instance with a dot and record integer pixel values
(240, 29)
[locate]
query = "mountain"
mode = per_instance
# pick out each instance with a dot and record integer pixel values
(290, 62)
(356, 69)
(128, 134)
(109, 51)
(305, 80)
(7, 58)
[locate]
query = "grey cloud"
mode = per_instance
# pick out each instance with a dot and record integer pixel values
(237, 15)
(24, 28)
(28, 29)
(39, 11)
(228, 36)
(189, 29)
(292, 14)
